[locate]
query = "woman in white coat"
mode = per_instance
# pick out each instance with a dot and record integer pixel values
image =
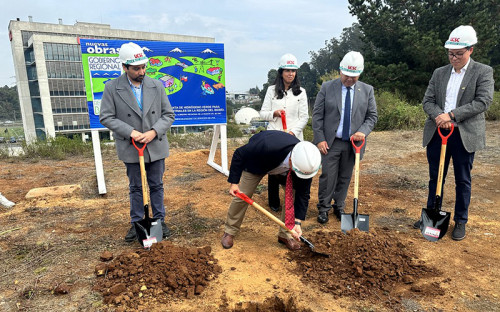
(286, 96)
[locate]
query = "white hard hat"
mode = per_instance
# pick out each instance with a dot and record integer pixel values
(461, 37)
(132, 54)
(352, 64)
(306, 160)
(288, 61)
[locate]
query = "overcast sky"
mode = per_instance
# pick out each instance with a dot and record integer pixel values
(255, 33)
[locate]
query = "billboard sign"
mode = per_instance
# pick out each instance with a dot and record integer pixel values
(193, 75)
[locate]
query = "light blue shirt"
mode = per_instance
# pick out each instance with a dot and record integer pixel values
(341, 124)
(137, 91)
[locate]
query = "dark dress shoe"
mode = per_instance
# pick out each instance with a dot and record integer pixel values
(458, 232)
(131, 235)
(290, 243)
(227, 240)
(338, 213)
(275, 209)
(416, 225)
(323, 217)
(165, 230)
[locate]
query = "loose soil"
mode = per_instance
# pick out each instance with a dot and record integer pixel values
(67, 252)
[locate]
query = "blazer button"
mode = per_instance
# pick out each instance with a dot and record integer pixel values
(152, 112)
(160, 139)
(129, 115)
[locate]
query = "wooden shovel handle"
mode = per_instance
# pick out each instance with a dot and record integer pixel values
(144, 179)
(264, 211)
(356, 166)
(444, 143)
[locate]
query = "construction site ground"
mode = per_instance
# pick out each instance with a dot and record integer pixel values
(66, 252)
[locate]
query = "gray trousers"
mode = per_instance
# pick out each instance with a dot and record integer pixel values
(335, 176)
(238, 207)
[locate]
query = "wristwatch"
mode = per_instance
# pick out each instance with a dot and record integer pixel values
(452, 117)
(298, 222)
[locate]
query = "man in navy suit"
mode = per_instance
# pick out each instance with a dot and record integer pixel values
(458, 93)
(335, 121)
(271, 152)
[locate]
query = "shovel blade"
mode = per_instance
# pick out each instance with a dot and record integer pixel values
(434, 224)
(310, 245)
(350, 221)
(148, 231)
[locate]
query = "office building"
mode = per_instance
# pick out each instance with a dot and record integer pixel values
(49, 74)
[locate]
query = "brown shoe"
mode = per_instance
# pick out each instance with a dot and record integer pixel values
(227, 240)
(290, 243)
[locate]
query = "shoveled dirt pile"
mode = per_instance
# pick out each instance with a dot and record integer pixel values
(367, 265)
(166, 271)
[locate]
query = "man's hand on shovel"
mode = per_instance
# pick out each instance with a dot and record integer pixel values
(233, 189)
(297, 231)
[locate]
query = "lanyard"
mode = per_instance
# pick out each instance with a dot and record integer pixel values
(139, 100)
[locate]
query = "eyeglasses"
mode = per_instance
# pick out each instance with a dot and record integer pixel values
(457, 55)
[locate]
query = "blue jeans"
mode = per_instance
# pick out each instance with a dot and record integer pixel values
(462, 165)
(154, 173)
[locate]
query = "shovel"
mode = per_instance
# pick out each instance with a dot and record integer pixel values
(355, 220)
(148, 230)
(283, 120)
(434, 222)
(279, 222)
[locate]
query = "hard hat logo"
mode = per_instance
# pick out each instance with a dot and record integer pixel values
(132, 54)
(461, 37)
(288, 61)
(352, 64)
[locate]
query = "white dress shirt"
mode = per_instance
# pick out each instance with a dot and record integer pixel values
(453, 88)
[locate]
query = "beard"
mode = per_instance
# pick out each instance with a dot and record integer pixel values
(139, 78)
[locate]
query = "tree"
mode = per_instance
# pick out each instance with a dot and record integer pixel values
(9, 104)
(254, 91)
(308, 78)
(271, 77)
(404, 39)
(328, 58)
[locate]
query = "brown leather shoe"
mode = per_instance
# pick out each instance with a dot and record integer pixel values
(290, 243)
(227, 240)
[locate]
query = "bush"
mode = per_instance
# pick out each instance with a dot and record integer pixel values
(4, 152)
(57, 148)
(395, 113)
(308, 131)
(233, 131)
(198, 140)
(493, 112)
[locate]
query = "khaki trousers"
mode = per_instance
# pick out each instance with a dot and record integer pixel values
(238, 207)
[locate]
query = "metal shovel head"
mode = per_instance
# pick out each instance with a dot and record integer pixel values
(434, 223)
(351, 221)
(148, 232)
(310, 245)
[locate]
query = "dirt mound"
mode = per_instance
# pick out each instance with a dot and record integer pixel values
(140, 277)
(366, 265)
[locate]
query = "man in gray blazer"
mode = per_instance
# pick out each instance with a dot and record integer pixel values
(335, 121)
(136, 107)
(458, 93)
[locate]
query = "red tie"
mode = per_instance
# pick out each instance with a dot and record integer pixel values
(289, 210)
